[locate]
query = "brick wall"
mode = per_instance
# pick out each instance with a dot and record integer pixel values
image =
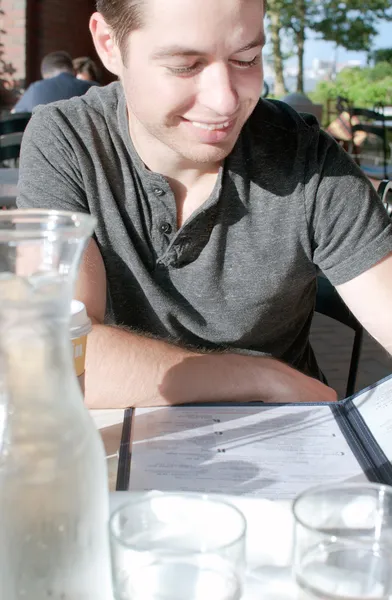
(35, 27)
(57, 25)
(13, 35)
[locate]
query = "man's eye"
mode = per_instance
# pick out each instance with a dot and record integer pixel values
(185, 70)
(246, 64)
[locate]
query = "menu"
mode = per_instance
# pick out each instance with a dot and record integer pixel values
(268, 450)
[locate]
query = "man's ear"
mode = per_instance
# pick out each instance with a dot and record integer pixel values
(104, 43)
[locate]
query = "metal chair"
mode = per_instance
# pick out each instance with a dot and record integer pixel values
(385, 192)
(355, 129)
(330, 304)
(370, 122)
(11, 132)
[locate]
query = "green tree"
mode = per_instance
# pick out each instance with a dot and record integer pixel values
(381, 55)
(351, 24)
(295, 17)
(6, 76)
(275, 8)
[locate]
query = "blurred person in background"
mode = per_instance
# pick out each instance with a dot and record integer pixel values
(58, 83)
(87, 69)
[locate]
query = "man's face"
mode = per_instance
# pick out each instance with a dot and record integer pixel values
(193, 75)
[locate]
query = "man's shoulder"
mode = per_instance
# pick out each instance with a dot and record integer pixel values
(275, 116)
(275, 132)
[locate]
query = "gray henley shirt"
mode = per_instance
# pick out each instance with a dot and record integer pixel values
(241, 272)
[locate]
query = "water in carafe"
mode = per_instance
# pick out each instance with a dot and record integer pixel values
(53, 479)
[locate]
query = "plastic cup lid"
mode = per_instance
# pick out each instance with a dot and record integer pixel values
(80, 322)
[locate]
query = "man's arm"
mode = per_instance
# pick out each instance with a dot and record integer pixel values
(369, 297)
(125, 369)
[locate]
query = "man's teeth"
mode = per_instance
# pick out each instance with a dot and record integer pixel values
(211, 126)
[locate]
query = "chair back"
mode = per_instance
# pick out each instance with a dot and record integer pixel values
(370, 122)
(354, 128)
(385, 193)
(11, 132)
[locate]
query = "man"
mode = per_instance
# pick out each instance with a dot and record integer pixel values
(213, 210)
(58, 83)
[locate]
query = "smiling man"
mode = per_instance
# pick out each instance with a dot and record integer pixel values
(214, 209)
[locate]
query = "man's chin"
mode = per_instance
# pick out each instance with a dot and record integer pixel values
(204, 152)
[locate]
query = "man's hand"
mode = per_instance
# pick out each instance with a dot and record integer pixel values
(301, 388)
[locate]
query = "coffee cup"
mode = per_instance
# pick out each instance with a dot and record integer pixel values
(80, 328)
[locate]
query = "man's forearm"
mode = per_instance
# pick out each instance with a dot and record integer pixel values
(125, 369)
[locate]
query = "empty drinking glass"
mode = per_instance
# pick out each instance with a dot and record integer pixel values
(343, 542)
(178, 547)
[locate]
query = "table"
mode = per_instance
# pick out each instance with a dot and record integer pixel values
(8, 186)
(110, 424)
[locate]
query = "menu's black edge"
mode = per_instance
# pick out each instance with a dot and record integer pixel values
(124, 457)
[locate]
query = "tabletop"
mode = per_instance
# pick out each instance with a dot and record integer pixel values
(269, 540)
(110, 425)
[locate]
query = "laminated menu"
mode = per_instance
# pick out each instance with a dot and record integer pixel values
(268, 450)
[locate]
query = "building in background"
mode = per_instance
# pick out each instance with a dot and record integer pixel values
(33, 28)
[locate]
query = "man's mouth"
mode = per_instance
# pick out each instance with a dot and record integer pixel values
(211, 126)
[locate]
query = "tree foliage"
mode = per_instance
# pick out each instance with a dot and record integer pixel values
(381, 55)
(351, 24)
(6, 75)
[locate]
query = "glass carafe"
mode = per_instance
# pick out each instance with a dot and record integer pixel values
(53, 479)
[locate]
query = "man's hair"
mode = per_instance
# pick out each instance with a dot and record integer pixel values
(122, 16)
(56, 62)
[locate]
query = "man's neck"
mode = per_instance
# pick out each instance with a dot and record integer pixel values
(56, 74)
(191, 183)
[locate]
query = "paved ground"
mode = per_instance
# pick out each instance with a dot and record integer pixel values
(332, 343)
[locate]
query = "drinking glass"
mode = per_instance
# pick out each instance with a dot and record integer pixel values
(343, 542)
(177, 547)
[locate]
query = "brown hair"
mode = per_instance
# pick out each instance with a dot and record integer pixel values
(123, 16)
(56, 62)
(85, 65)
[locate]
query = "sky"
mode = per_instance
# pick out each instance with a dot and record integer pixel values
(325, 50)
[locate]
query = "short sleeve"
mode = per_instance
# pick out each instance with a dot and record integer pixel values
(49, 174)
(350, 230)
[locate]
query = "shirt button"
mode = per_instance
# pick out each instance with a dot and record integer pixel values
(165, 228)
(158, 191)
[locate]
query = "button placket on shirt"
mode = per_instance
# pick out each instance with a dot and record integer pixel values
(163, 210)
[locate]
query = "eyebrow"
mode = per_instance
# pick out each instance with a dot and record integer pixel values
(182, 51)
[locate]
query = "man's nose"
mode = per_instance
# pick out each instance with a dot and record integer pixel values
(217, 92)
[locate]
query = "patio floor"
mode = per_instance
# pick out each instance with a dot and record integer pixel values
(332, 343)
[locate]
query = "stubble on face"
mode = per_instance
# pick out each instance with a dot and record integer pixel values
(161, 105)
